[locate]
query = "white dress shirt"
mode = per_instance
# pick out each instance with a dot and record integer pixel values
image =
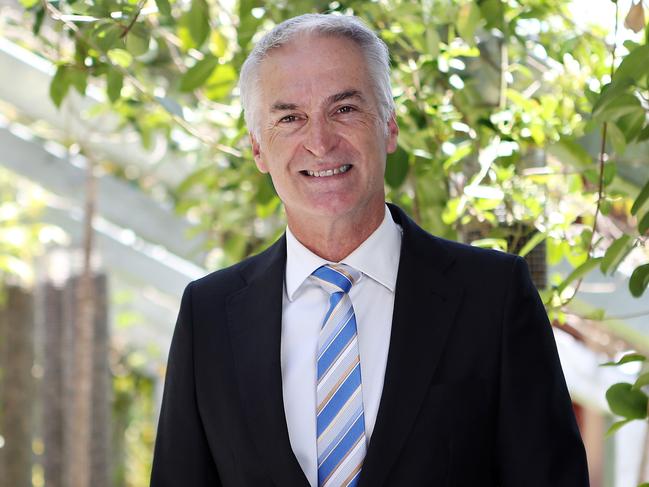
(304, 306)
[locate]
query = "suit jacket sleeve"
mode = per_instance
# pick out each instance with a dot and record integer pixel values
(539, 444)
(182, 455)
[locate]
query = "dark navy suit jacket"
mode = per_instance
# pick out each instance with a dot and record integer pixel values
(473, 395)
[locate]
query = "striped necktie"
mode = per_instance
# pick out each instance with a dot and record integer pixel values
(340, 420)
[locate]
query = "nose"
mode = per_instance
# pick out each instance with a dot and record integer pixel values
(320, 137)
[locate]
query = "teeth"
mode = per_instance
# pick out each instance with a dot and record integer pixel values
(329, 172)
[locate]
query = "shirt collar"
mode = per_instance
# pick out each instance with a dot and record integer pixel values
(377, 257)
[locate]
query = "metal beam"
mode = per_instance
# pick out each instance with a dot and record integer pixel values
(118, 202)
(27, 89)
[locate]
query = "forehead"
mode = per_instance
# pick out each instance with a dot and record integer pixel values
(311, 68)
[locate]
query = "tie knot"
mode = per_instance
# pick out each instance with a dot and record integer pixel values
(335, 278)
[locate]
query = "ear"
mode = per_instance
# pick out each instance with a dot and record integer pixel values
(393, 133)
(256, 153)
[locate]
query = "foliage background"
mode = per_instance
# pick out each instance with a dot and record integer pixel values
(514, 122)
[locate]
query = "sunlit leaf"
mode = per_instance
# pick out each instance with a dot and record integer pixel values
(531, 244)
(615, 254)
(626, 359)
(163, 7)
(467, 21)
(121, 57)
(221, 82)
(641, 199)
(627, 402)
(641, 381)
(634, 66)
(639, 280)
(137, 44)
(59, 85)
(616, 426)
(580, 272)
(199, 73)
(396, 169)
(114, 83)
(199, 21)
(643, 226)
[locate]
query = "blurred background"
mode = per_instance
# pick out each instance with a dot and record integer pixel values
(125, 173)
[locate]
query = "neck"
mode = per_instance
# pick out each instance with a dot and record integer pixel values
(335, 239)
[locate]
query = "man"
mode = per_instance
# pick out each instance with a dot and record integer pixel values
(358, 349)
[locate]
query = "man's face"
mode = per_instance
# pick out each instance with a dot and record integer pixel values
(321, 137)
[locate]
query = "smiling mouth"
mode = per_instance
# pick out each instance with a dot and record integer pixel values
(328, 172)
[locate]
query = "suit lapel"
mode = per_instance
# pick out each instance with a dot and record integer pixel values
(424, 309)
(254, 320)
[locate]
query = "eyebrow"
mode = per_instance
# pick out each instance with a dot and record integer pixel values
(280, 106)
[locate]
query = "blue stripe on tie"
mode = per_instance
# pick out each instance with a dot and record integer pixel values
(338, 344)
(334, 299)
(350, 422)
(354, 482)
(334, 277)
(342, 448)
(342, 395)
(341, 322)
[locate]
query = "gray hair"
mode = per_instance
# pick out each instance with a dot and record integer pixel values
(373, 48)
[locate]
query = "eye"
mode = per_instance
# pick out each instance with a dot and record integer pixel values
(346, 109)
(288, 119)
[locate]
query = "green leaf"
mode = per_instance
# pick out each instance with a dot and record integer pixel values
(641, 381)
(626, 401)
(570, 152)
(265, 190)
(628, 358)
(616, 426)
(199, 73)
(611, 91)
(137, 43)
(615, 253)
(107, 35)
(643, 226)
(618, 107)
(163, 7)
(221, 82)
(121, 57)
(59, 85)
(493, 13)
(610, 170)
(397, 166)
(491, 243)
(633, 66)
(39, 16)
(29, 3)
(639, 280)
(199, 21)
(531, 244)
(641, 199)
(78, 78)
(579, 272)
(114, 83)
(618, 139)
(467, 21)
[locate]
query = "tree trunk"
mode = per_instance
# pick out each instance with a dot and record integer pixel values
(101, 387)
(53, 403)
(18, 386)
(99, 413)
